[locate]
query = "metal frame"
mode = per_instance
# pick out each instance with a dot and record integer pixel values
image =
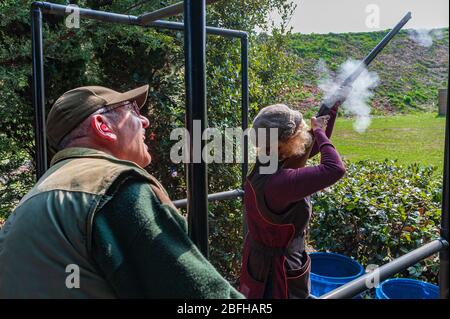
(195, 78)
(195, 55)
(213, 197)
(169, 11)
(443, 255)
(359, 285)
(195, 31)
(38, 91)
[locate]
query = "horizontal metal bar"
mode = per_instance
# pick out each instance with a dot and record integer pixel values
(213, 197)
(359, 285)
(210, 30)
(169, 11)
(58, 9)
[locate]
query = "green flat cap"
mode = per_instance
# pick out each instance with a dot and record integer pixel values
(74, 106)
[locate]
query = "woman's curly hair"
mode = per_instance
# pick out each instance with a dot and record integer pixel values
(296, 144)
(293, 136)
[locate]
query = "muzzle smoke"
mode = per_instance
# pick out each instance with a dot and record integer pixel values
(361, 91)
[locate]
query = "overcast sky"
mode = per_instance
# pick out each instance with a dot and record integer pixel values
(323, 16)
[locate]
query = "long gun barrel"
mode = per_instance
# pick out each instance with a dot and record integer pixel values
(338, 95)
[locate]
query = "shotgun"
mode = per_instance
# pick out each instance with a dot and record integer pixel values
(341, 93)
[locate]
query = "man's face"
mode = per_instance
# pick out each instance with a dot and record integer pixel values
(130, 133)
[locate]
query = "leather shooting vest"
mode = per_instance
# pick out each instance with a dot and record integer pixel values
(272, 239)
(51, 228)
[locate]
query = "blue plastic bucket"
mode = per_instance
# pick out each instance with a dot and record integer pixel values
(330, 270)
(403, 288)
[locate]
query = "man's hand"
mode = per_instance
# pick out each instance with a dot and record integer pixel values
(320, 122)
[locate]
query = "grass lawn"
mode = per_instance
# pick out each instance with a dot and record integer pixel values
(407, 138)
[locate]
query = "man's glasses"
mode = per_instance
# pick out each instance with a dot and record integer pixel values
(132, 106)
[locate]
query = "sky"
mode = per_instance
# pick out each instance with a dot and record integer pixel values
(339, 16)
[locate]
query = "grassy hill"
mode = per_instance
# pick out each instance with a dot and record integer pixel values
(410, 75)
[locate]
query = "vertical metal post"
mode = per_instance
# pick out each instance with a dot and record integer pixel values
(197, 180)
(244, 115)
(443, 254)
(38, 91)
(244, 103)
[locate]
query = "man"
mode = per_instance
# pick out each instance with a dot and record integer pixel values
(97, 225)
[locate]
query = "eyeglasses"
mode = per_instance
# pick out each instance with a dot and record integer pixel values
(133, 106)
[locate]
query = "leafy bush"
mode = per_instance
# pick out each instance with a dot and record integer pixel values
(16, 176)
(378, 212)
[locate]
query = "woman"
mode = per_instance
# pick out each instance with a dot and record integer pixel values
(275, 264)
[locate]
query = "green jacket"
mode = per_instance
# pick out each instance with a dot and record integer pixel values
(112, 221)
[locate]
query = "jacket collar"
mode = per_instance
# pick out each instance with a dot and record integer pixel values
(80, 152)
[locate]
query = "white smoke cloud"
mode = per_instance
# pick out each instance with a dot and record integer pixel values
(438, 34)
(361, 91)
(424, 37)
(421, 36)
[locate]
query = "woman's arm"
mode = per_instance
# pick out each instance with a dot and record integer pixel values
(290, 185)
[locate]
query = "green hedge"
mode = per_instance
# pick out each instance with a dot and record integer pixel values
(378, 212)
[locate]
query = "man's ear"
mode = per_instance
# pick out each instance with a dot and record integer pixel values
(102, 129)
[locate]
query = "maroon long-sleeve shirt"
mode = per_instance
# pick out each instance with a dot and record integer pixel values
(288, 185)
